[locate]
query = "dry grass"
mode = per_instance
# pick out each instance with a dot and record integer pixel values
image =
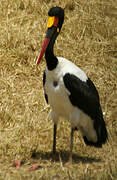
(89, 39)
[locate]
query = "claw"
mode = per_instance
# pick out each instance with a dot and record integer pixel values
(34, 167)
(17, 164)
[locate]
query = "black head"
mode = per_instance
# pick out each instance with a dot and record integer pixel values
(59, 12)
(55, 21)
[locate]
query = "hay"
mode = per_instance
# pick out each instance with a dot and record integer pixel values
(89, 39)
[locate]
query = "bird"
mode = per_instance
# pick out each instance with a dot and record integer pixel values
(69, 91)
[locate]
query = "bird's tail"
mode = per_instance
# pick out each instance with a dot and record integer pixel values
(101, 132)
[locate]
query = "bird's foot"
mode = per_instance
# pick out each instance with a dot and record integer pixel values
(69, 162)
(17, 164)
(54, 157)
(34, 167)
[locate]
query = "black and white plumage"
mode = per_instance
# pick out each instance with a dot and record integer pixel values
(68, 90)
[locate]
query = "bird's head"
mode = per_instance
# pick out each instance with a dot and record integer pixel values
(54, 24)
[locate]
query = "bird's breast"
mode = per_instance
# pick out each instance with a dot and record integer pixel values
(58, 96)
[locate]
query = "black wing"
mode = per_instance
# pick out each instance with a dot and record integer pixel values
(82, 94)
(44, 80)
(85, 96)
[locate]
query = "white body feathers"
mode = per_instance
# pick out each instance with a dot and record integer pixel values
(58, 98)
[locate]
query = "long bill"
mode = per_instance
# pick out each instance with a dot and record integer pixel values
(49, 35)
(44, 47)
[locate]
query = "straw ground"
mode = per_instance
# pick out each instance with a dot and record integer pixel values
(89, 39)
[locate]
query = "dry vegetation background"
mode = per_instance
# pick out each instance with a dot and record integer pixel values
(89, 39)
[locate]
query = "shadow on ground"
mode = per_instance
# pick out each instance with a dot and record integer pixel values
(64, 156)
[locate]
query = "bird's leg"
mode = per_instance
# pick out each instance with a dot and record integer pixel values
(71, 145)
(54, 141)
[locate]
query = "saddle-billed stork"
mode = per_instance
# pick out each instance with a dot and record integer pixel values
(68, 90)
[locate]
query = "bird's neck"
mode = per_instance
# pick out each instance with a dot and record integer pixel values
(51, 59)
